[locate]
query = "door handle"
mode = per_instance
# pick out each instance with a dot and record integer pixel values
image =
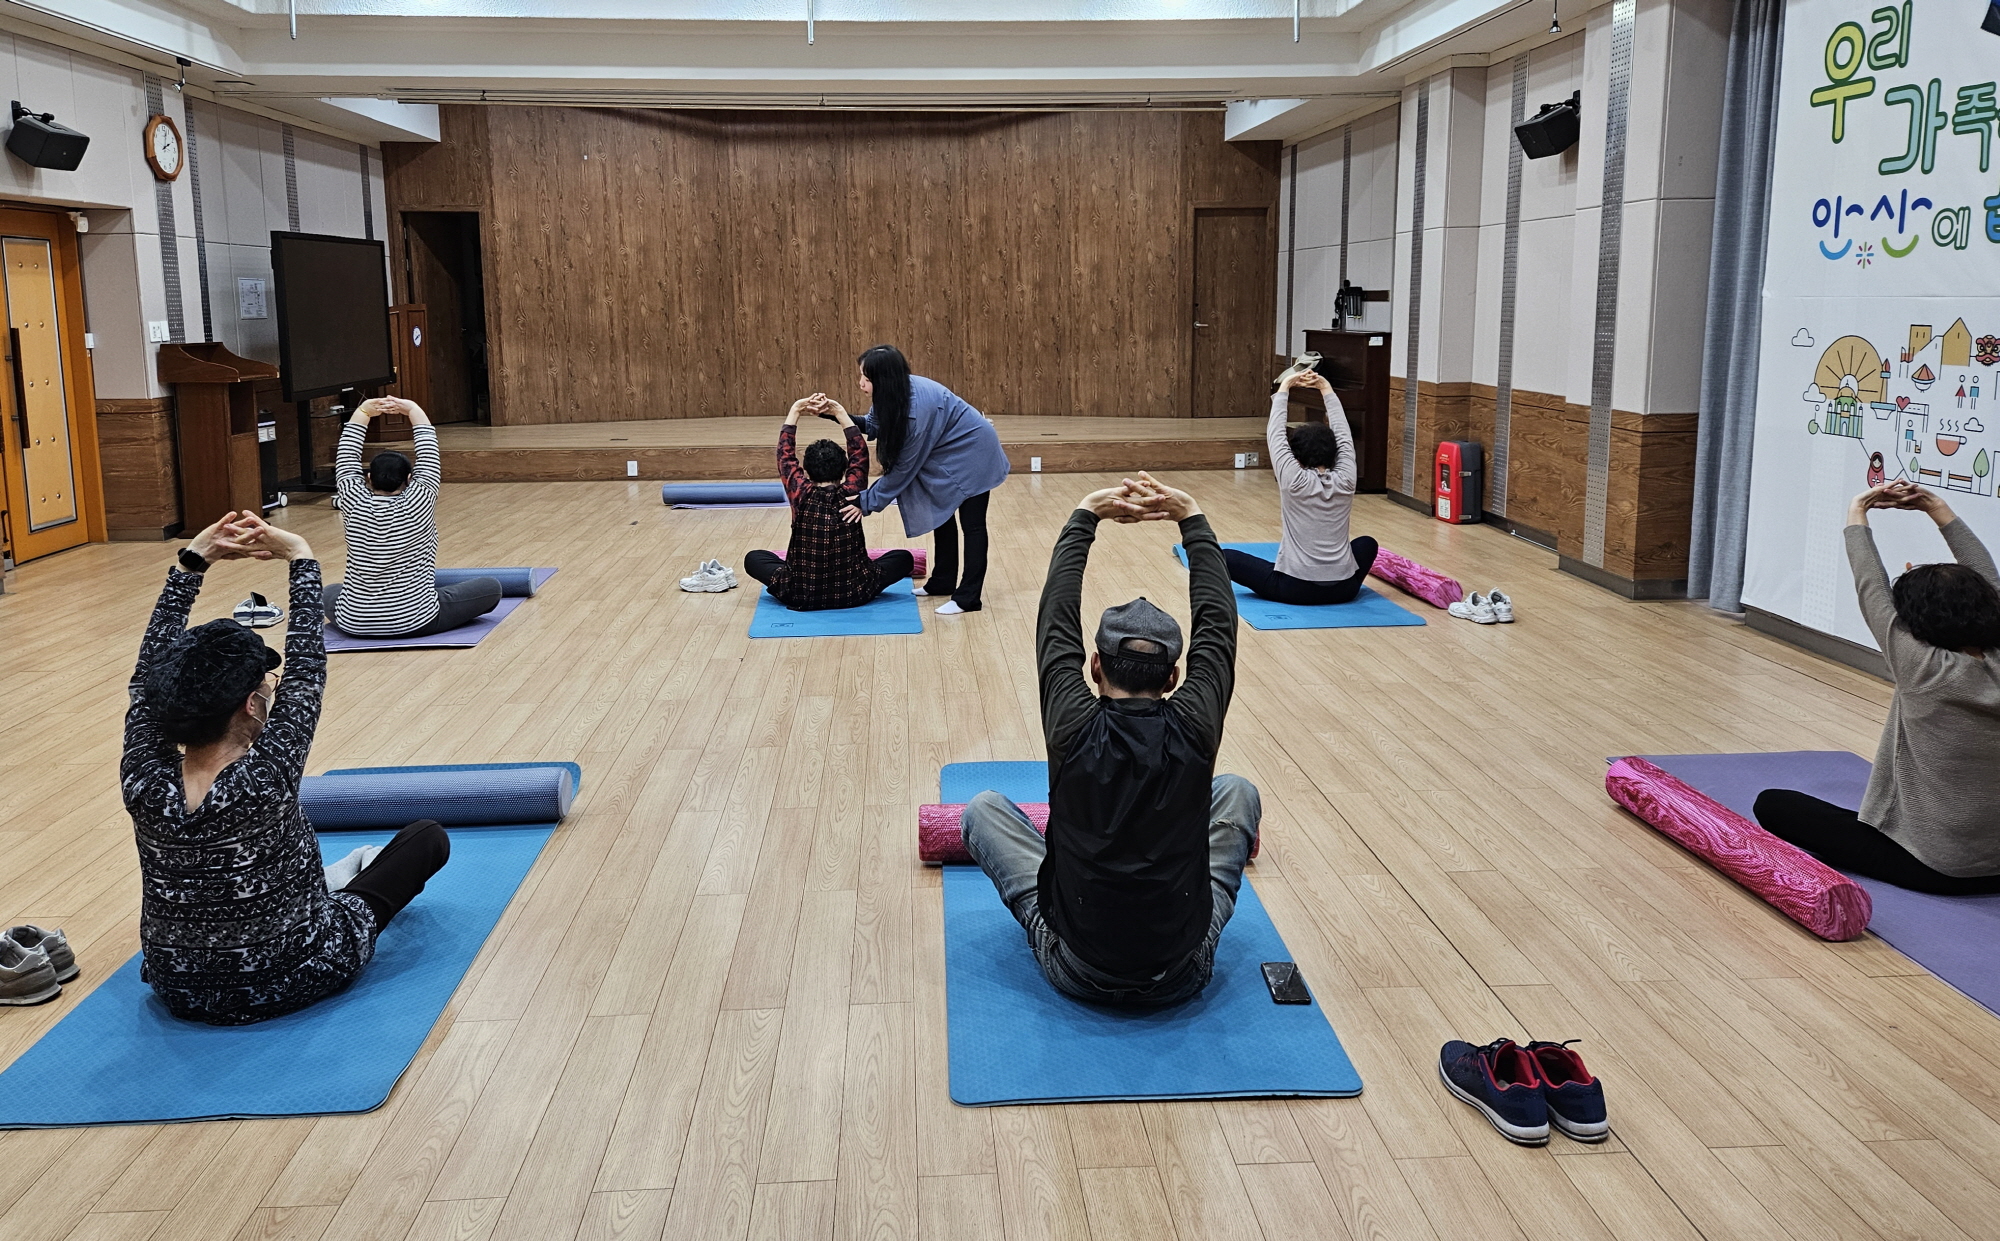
(1201, 325)
(20, 389)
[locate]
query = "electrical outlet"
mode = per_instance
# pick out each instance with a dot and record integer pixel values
(1034, 465)
(158, 332)
(1250, 458)
(631, 469)
(1240, 459)
(90, 340)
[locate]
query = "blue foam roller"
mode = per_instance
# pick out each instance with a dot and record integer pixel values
(494, 796)
(723, 493)
(518, 583)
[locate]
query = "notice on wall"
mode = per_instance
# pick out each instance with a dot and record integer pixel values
(1880, 349)
(250, 299)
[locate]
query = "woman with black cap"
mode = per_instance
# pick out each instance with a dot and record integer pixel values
(237, 921)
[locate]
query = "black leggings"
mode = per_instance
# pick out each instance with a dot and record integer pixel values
(459, 603)
(1264, 580)
(1841, 840)
(945, 578)
(400, 871)
(890, 567)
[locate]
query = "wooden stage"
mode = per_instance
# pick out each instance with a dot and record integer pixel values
(716, 448)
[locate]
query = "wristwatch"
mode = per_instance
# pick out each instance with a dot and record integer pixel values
(192, 561)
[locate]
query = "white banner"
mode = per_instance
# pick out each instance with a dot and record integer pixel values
(1880, 356)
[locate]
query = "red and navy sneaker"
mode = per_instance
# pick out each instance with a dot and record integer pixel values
(1500, 1079)
(1575, 1098)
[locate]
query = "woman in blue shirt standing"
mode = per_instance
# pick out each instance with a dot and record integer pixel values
(941, 460)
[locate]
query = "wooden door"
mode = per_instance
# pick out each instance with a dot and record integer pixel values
(45, 398)
(1233, 308)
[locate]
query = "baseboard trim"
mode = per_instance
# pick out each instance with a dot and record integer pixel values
(1630, 588)
(1408, 501)
(1520, 530)
(1839, 650)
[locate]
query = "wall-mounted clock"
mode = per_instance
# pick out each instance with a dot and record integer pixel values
(166, 154)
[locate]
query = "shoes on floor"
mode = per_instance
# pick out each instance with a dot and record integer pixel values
(257, 612)
(710, 577)
(26, 977)
(1503, 607)
(1501, 1080)
(53, 944)
(1574, 1096)
(1478, 609)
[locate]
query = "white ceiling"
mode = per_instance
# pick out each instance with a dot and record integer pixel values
(1351, 55)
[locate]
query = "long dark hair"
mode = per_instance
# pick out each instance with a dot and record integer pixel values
(1949, 606)
(889, 372)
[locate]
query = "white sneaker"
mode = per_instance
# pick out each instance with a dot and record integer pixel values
(1503, 607)
(728, 574)
(1475, 608)
(709, 581)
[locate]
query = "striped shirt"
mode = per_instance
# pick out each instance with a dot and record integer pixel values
(392, 542)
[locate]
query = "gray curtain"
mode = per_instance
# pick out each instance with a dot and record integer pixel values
(1730, 341)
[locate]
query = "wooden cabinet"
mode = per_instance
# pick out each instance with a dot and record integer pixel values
(215, 405)
(1357, 365)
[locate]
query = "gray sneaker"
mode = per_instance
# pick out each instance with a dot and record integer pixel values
(54, 943)
(26, 977)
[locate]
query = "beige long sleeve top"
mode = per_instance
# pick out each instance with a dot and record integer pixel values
(1937, 768)
(1313, 504)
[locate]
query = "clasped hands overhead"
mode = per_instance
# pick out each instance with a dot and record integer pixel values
(1144, 498)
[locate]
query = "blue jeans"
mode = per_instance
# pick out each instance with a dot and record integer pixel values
(1009, 849)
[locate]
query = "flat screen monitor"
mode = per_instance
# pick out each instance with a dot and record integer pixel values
(333, 314)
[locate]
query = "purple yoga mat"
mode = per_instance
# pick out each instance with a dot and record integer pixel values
(1951, 936)
(463, 636)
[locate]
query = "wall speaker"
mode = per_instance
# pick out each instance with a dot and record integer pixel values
(1552, 130)
(1992, 23)
(40, 142)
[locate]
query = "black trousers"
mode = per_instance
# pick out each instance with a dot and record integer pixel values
(459, 603)
(945, 578)
(1839, 838)
(890, 567)
(399, 872)
(1264, 580)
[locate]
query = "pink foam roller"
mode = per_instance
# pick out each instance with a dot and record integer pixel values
(1422, 581)
(918, 554)
(1797, 884)
(940, 843)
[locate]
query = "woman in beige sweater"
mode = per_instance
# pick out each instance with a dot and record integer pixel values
(1928, 821)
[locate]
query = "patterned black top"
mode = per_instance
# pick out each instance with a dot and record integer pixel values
(236, 922)
(826, 563)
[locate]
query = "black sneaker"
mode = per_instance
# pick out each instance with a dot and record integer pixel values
(1500, 1079)
(1574, 1096)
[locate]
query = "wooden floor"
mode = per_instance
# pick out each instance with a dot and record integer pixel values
(716, 1008)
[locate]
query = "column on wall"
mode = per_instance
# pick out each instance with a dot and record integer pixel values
(1340, 186)
(1437, 285)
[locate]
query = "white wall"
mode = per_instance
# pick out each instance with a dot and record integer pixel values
(1314, 265)
(241, 161)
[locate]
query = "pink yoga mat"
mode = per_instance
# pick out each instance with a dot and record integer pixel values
(940, 842)
(1795, 883)
(1422, 581)
(917, 554)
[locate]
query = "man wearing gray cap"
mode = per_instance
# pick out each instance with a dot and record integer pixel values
(1125, 900)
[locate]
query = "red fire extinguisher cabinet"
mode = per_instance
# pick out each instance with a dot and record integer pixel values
(1461, 477)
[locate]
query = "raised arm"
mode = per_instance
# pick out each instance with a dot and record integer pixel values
(1203, 697)
(1067, 700)
(789, 473)
(1276, 445)
(1871, 580)
(427, 469)
(169, 621)
(1967, 549)
(348, 480)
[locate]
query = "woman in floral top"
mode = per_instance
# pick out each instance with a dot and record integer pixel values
(237, 923)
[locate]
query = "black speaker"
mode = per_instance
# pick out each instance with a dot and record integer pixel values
(39, 141)
(1553, 130)
(1992, 23)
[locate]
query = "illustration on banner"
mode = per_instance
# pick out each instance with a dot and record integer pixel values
(1901, 430)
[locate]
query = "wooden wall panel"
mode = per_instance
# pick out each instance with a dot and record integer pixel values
(658, 264)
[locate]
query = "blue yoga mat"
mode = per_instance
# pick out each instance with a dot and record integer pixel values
(1015, 1040)
(1018, 782)
(1951, 936)
(514, 582)
(892, 611)
(119, 1058)
(1368, 610)
(748, 493)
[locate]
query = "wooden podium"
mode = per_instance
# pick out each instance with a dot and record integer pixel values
(215, 407)
(1357, 364)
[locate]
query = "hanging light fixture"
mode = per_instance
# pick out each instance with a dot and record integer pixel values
(1555, 17)
(809, 23)
(1295, 19)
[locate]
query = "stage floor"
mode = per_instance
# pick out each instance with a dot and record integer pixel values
(718, 448)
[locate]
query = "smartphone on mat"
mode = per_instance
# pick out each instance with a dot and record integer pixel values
(1287, 985)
